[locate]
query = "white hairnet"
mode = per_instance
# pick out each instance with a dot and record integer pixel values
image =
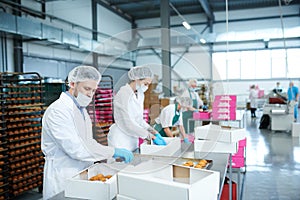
(184, 101)
(140, 72)
(192, 82)
(84, 73)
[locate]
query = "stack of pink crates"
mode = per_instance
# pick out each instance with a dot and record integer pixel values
(146, 115)
(238, 159)
(224, 107)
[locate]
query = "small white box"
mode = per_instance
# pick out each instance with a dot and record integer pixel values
(220, 133)
(80, 186)
(296, 129)
(122, 197)
(215, 147)
(173, 145)
(154, 180)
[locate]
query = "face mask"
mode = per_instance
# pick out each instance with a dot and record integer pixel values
(83, 100)
(142, 88)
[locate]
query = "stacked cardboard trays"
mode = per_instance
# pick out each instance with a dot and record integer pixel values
(173, 146)
(219, 139)
(155, 180)
(80, 185)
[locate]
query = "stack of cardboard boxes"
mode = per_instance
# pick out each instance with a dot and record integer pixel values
(151, 102)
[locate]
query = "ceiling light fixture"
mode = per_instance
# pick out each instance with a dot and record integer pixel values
(202, 40)
(186, 25)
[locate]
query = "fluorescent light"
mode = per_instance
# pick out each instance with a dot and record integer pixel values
(202, 40)
(186, 25)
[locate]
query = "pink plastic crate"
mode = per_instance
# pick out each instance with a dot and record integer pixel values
(261, 93)
(201, 115)
(224, 116)
(243, 143)
(226, 104)
(239, 153)
(224, 109)
(238, 161)
(225, 98)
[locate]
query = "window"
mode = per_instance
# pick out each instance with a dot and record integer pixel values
(278, 63)
(263, 64)
(293, 63)
(260, 64)
(248, 67)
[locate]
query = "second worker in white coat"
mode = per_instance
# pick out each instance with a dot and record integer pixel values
(128, 112)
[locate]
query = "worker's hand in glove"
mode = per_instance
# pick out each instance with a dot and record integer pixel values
(186, 140)
(158, 140)
(123, 153)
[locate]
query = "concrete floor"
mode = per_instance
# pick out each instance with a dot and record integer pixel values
(273, 166)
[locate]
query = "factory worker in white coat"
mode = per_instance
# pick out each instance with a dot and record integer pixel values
(67, 138)
(128, 112)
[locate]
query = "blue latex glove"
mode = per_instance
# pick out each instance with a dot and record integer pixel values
(186, 140)
(123, 153)
(159, 140)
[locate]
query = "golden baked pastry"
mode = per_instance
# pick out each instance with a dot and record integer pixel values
(189, 163)
(100, 177)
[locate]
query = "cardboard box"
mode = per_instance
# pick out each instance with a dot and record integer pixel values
(164, 102)
(173, 146)
(296, 129)
(79, 186)
(215, 147)
(155, 180)
(122, 197)
(220, 133)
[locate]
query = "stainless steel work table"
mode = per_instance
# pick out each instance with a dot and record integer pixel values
(220, 161)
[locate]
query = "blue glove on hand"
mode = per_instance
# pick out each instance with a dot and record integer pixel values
(159, 140)
(123, 153)
(186, 140)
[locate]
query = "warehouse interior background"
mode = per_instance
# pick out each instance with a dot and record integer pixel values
(255, 42)
(261, 41)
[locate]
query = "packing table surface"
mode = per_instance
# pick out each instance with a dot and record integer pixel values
(220, 161)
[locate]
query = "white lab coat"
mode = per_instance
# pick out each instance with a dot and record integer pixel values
(166, 117)
(129, 123)
(252, 96)
(68, 144)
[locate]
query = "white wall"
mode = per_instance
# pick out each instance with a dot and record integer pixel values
(112, 24)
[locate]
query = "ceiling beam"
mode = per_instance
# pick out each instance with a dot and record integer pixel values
(207, 10)
(116, 10)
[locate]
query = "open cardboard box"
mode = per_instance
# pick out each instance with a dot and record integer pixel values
(220, 133)
(79, 186)
(215, 147)
(155, 180)
(173, 145)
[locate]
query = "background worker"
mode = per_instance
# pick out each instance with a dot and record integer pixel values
(253, 94)
(293, 95)
(197, 103)
(129, 123)
(171, 116)
(67, 137)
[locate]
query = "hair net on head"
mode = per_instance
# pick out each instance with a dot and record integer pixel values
(139, 72)
(192, 82)
(84, 73)
(184, 101)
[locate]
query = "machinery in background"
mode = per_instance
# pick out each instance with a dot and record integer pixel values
(280, 111)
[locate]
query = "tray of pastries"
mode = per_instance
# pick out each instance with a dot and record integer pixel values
(194, 163)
